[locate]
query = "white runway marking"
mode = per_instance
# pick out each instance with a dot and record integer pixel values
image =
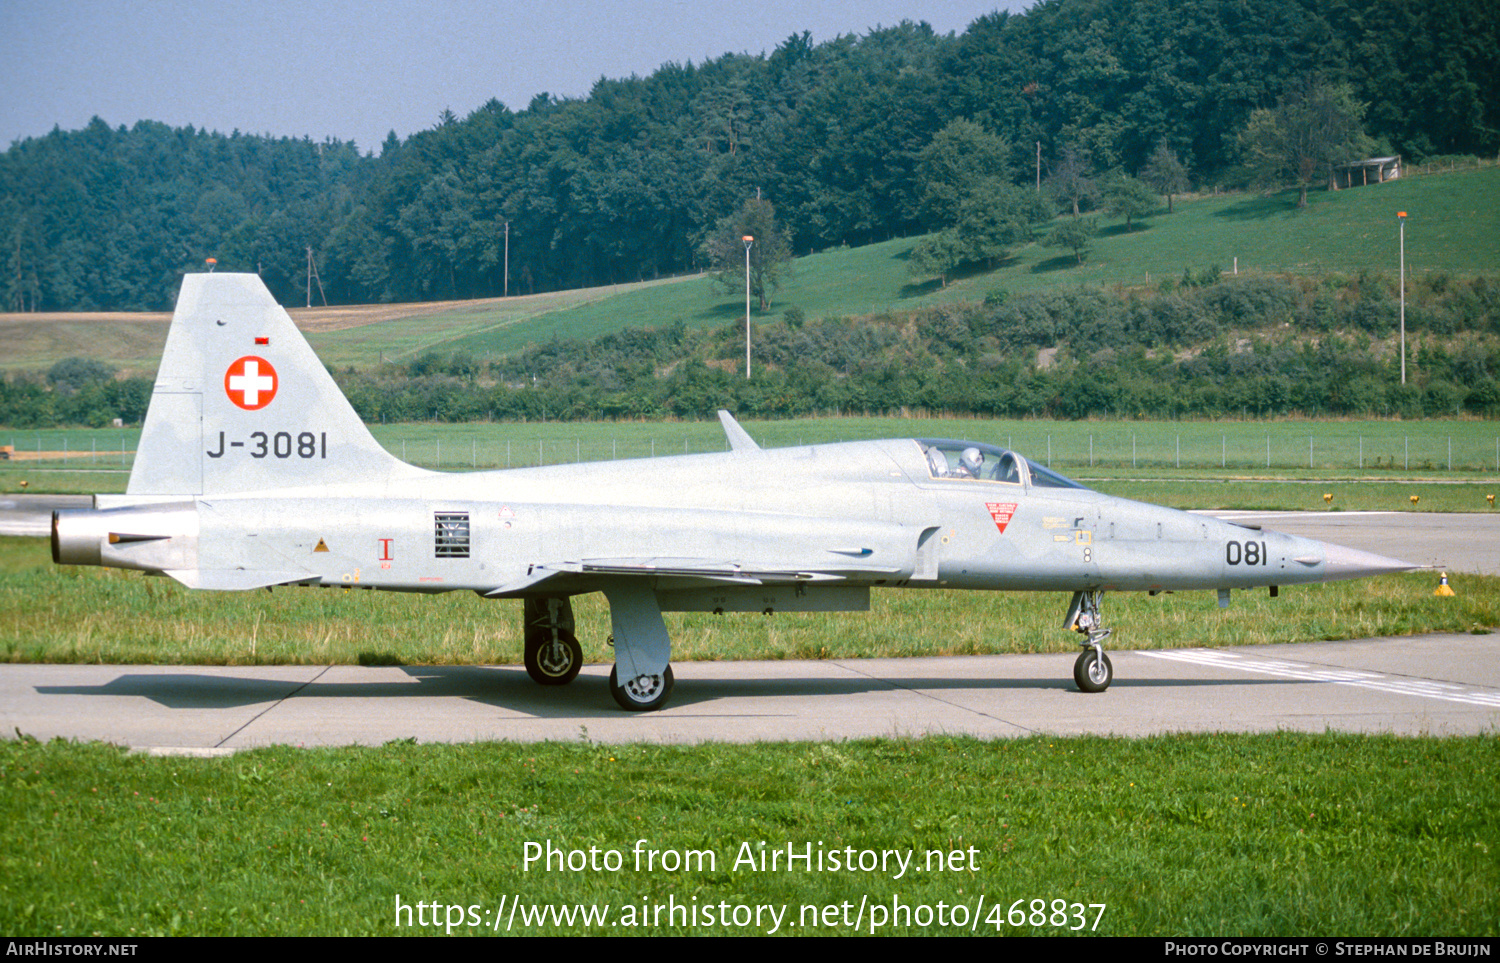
(1238, 513)
(1447, 691)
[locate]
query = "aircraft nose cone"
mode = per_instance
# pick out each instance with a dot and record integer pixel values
(1340, 562)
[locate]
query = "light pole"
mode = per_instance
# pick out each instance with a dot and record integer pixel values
(749, 240)
(1401, 220)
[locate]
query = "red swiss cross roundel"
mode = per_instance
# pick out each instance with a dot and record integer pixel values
(250, 382)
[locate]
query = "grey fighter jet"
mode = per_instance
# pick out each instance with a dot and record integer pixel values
(253, 471)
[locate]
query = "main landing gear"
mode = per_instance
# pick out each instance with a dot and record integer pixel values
(1093, 671)
(642, 693)
(641, 679)
(552, 655)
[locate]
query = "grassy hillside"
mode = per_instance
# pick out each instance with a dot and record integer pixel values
(411, 330)
(1453, 226)
(128, 341)
(344, 335)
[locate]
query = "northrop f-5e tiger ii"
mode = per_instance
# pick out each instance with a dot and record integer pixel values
(254, 471)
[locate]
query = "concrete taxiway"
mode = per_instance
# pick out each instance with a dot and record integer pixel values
(1425, 685)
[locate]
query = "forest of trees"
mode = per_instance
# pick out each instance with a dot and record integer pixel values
(841, 137)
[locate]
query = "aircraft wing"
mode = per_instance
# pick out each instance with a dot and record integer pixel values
(675, 573)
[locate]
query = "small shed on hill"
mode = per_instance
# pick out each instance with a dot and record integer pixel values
(1375, 170)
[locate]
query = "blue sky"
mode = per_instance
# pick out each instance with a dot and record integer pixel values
(355, 70)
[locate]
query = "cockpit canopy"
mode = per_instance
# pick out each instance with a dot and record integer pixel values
(975, 461)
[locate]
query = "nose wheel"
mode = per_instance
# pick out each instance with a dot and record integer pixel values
(1093, 671)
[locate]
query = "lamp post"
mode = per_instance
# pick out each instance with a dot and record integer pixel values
(749, 240)
(1401, 220)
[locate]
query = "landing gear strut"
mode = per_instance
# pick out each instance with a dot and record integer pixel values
(1093, 671)
(642, 677)
(552, 654)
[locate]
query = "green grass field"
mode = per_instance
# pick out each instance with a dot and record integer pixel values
(847, 281)
(359, 335)
(1212, 835)
(131, 343)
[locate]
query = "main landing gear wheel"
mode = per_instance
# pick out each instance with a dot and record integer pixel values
(642, 693)
(1093, 672)
(554, 662)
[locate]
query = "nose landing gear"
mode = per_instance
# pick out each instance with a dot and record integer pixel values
(1093, 671)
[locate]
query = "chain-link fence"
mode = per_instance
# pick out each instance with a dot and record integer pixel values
(1407, 447)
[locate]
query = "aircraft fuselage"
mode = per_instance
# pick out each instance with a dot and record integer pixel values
(861, 513)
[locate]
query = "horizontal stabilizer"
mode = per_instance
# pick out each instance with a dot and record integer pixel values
(739, 438)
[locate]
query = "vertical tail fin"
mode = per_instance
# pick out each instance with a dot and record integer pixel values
(242, 404)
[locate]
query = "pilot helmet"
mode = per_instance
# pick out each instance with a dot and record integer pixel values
(971, 459)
